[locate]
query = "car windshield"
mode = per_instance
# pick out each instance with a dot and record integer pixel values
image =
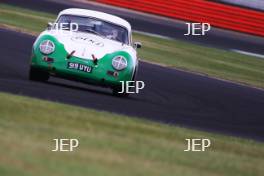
(96, 26)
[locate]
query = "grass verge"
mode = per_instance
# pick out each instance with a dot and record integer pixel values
(182, 55)
(111, 144)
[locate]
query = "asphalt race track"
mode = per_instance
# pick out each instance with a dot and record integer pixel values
(170, 96)
(176, 29)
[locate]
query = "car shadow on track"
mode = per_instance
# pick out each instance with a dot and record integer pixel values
(92, 89)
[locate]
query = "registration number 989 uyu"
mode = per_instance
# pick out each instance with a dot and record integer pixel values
(80, 67)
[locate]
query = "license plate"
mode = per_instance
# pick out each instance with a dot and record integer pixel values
(80, 67)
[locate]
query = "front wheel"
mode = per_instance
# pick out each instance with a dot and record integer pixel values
(38, 75)
(117, 91)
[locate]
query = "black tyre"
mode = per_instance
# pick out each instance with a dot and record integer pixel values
(135, 74)
(38, 75)
(118, 89)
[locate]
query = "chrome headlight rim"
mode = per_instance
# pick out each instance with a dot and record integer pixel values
(119, 63)
(47, 47)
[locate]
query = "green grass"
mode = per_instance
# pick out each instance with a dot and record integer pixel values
(111, 145)
(178, 54)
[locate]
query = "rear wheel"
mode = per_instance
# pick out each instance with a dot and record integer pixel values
(38, 75)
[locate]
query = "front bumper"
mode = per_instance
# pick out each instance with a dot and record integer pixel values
(101, 73)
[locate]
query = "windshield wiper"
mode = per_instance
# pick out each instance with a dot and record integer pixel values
(95, 32)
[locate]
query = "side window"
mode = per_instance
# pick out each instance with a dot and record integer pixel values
(131, 39)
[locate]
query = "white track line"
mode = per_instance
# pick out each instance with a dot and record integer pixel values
(248, 53)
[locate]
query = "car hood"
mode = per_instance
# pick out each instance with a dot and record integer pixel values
(85, 44)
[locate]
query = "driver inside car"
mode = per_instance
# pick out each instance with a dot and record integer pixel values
(113, 34)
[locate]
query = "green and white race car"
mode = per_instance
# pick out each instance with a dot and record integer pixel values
(87, 46)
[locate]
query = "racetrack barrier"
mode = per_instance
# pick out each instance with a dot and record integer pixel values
(217, 14)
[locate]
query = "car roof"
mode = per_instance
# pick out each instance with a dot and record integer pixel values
(96, 14)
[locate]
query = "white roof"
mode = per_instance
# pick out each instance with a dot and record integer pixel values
(97, 14)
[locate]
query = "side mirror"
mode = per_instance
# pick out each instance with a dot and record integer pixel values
(49, 25)
(137, 45)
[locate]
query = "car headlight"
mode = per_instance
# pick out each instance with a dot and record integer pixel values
(119, 62)
(47, 47)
